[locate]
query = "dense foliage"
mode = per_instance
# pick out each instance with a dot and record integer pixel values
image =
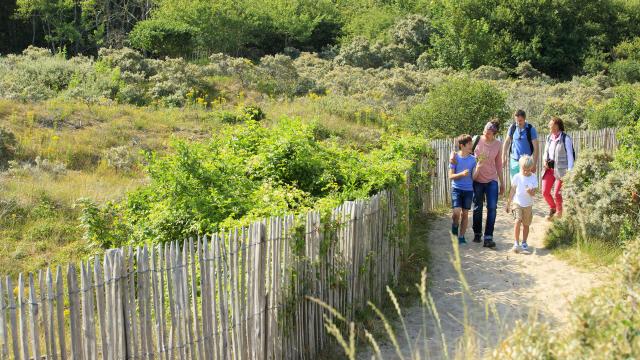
(561, 38)
(430, 99)
(249, 172)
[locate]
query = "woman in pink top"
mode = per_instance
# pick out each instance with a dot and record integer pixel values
(487, 182)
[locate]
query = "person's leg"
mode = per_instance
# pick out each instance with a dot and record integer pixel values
(492, 190)
(467, 199)
(548, 179)
(516, 231)
(464, 221)
(455, 221)
(557, 194)
(456, 205)
(525, 233)
(478, 200)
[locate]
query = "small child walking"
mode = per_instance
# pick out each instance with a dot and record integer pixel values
(523, 189)
(461, 174)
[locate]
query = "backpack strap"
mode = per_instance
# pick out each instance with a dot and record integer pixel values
(512, 129)
(528, 129)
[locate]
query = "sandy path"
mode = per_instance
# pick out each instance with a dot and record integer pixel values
(516, 283)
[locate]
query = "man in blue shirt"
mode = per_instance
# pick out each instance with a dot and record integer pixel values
(521, 140)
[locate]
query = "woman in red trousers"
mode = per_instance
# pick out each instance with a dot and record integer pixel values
(558, 159)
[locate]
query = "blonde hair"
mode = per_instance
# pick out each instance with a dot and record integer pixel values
(526, 162)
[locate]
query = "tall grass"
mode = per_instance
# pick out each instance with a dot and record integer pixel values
(602, 325)
(406, 347)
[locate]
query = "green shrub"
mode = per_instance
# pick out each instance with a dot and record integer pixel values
(359, 52)
(412, 33)
(7, 147)
(175, 78)
(486, 72)
(252, 113)
(277, 75)
(458, 106)
(601, 202)
(246, 172)
(625, 71)
(129, 61)
(163, 37)
(623, 109)
(560, 234)
(525, 70)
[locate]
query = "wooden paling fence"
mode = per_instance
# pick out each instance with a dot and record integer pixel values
(234, 295)
(439, 195)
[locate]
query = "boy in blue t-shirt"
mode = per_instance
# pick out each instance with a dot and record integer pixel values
(461, 174)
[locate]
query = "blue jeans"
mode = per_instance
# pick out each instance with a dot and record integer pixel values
(480, 190)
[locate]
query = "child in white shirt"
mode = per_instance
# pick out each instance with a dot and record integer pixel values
(523, 189)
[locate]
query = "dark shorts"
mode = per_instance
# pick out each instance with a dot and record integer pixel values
(461, 198)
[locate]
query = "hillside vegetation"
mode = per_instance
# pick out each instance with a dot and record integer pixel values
(78, 134)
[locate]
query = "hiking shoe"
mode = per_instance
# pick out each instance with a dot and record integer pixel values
(550, 215)
(489, 243)
(477, 238)
(461, 240)
(525, 248)
(516, 248)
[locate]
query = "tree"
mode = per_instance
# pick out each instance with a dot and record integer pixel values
(456, 107)
(163, 37)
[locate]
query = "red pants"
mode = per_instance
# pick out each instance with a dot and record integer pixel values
(548, 181)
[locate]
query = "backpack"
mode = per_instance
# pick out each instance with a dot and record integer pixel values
(563, 137)
(512, 130)
(476, 140)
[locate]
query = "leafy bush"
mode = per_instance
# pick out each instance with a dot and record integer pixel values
(625, 71)
(623, 109)
(129, 61)
(601, 202)
(120, 158)
(525, 70)
(252, 113)
(412, 33)
(174, 79)
(37, 74)
(246, 172)
(7, 147)
(163, 37)
(486, 72)
(360, 53)
(458, 106)
(560, 234)
(277, 75)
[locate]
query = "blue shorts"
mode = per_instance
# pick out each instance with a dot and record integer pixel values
(461, 198)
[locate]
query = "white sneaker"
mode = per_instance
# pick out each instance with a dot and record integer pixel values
(515, 248)
(525, 248)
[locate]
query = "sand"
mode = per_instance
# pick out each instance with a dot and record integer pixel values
(517, 284)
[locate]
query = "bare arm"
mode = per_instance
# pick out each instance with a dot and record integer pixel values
(477, 172)
(505, 151)
(454, 176)
(507, 205)
(499, 163)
